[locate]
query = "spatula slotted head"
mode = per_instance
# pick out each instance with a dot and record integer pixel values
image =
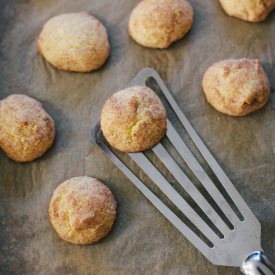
(227, 231)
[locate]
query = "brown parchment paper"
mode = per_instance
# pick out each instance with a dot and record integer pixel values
(142, 241)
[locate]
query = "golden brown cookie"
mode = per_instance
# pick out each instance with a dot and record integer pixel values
(159, 23)
(82, 210)
(236, 87)
(26, 130)
(248, 10)
(75, 42)
(133, 120)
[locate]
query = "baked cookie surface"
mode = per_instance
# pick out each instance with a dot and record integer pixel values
(75, 42)
(133, 119)
(236, 87)
(82, 210)
(27, 131)
(248, 10)
(159, 23)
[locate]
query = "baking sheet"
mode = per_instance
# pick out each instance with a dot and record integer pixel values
(142, 241)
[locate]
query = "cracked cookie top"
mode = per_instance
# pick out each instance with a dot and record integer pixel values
(134, 119)
(82, 210)
(236, 87)
(27, 131)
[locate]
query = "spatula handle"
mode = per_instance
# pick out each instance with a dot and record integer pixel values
(258, 264)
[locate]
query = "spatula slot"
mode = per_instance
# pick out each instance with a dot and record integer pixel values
(184, 194)
(193, 179)
(223, 192)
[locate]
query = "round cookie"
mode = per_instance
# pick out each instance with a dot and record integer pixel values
(82, 210)
(75, 42)
(133, 120)
(236, 87)
(159, 23)
(248, 10)
(26, 130)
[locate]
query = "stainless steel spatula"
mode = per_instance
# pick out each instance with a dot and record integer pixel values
(234, 243)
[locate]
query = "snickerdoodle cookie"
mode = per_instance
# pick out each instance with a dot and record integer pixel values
(159, 23)
(26, 130)
(133, 119)
(236, 87)
(248, 10)
(82, 210)
(75, 42)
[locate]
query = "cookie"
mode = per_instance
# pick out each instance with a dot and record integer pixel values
(27, 131)
(133, 119)
(82, 210)
(75, 42)
(248, 10)
(159, 23)
(236, 87)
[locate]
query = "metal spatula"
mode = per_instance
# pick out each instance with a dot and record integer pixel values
(237, 244)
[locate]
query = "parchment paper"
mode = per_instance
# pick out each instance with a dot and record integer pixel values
(142, 240)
